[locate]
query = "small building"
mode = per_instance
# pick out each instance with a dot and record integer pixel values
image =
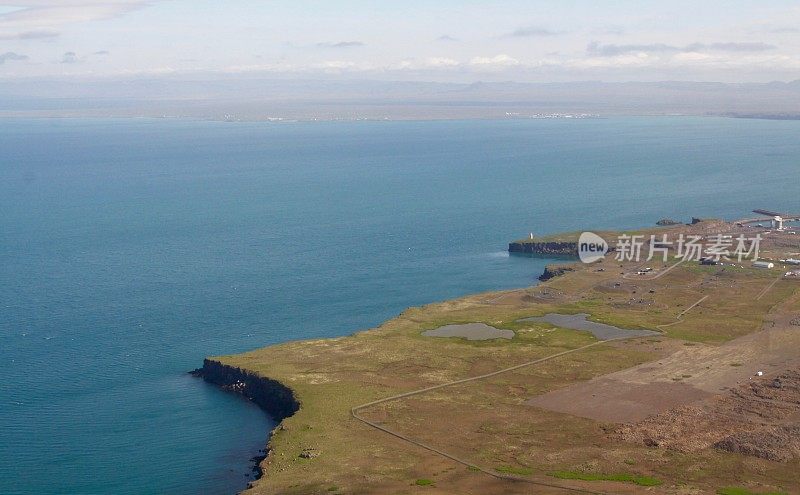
(764, 265)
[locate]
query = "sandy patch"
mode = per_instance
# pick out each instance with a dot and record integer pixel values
(685, 377)
(611, 401)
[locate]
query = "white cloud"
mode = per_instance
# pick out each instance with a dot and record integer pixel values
(412, 64)
(691, 57)
(596, 49)
(403, 65)
(47, 14)
(39, 34)
(640, 59)
(500, 61)
(335, 65)
(441, 62)
(340, 44)
(531, 31)
(280, 37)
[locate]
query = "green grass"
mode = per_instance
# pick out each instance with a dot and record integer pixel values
(327, 396)
(522, 471)
(734, 490)
(627, 478)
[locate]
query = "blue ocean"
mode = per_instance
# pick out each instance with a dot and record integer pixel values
(132, 249)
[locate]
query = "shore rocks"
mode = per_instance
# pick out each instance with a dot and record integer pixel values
(309, 453)
(272, 396)
(544, 248)
(552, 271)
(275, 398)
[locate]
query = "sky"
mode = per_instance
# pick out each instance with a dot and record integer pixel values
(443, 40)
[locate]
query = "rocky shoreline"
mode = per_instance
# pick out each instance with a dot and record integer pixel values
(273, 397)
(557, 248)
(553, 271)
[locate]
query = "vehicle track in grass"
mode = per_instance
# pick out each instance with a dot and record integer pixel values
(355, 414)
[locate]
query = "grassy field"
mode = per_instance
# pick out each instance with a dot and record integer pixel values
(488, 422)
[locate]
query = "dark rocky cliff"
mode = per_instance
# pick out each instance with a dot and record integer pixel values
(275, 398)
(558, 248)
(553, 271)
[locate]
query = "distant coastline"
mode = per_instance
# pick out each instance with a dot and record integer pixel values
(260, 99)
(289, 120)
(764, 116)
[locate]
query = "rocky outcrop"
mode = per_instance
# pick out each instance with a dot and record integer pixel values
(667, 221)
(552, 271)
(275, 398)
(779, 443)
(558, 248)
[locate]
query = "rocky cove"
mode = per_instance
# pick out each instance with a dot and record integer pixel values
(273, 397)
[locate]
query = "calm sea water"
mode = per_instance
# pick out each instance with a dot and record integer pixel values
(129, 250)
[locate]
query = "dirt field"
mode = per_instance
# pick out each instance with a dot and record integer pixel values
(760, 418)
(616, 401)
(690, 374)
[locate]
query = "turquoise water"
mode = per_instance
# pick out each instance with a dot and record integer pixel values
(129, 250)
